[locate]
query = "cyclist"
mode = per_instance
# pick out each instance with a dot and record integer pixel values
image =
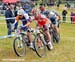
(53, 16)
(43, 22)
(23, 16)
(44, 11)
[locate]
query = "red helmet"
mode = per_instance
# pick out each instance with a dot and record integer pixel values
(42, 8)
(35, 11)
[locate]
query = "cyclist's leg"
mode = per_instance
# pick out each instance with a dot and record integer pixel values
(46, 30)
(56, 27)
(29, 36)
(48, 35)
(30, 39)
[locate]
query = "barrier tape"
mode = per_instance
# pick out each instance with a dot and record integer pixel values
(15, 17)
(7, 18)
(7, 36)
(60, 21)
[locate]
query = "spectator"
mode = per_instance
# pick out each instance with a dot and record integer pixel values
(9, 13)
(72, 17)
(64, 13)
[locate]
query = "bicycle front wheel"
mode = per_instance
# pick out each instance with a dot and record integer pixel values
(40, 47)
(19, 47)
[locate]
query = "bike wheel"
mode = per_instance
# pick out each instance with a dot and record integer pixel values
(19, 47)
(39, 46)
(56, 37)
(46, 40)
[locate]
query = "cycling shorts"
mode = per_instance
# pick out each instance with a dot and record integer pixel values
(45, 27)
(53, 20)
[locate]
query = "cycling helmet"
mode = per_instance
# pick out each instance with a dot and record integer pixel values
(20, 12)
(35, 11)
(52, 13)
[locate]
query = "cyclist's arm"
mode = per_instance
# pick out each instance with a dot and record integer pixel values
(48, 21)
(58, 18)
(28, 23)
(16, 20)
(27, 19)
(34, 19)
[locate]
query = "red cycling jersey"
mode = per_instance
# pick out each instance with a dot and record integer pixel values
(41, 19)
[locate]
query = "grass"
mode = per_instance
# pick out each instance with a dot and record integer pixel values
(63, 52)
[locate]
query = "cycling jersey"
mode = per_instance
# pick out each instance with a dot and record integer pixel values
(41, 19)
(24, 20)
(46, 12)
(51, 15)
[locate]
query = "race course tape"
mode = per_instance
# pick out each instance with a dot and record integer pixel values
(3, 18)
(7, 18)
(7, 36)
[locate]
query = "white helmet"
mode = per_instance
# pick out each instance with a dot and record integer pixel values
(21, 12)
(52, 13)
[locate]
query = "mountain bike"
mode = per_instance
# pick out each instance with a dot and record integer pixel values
(56, 36)
(21, 42)
(46, 38)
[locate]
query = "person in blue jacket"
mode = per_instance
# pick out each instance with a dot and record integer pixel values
(10, 13)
